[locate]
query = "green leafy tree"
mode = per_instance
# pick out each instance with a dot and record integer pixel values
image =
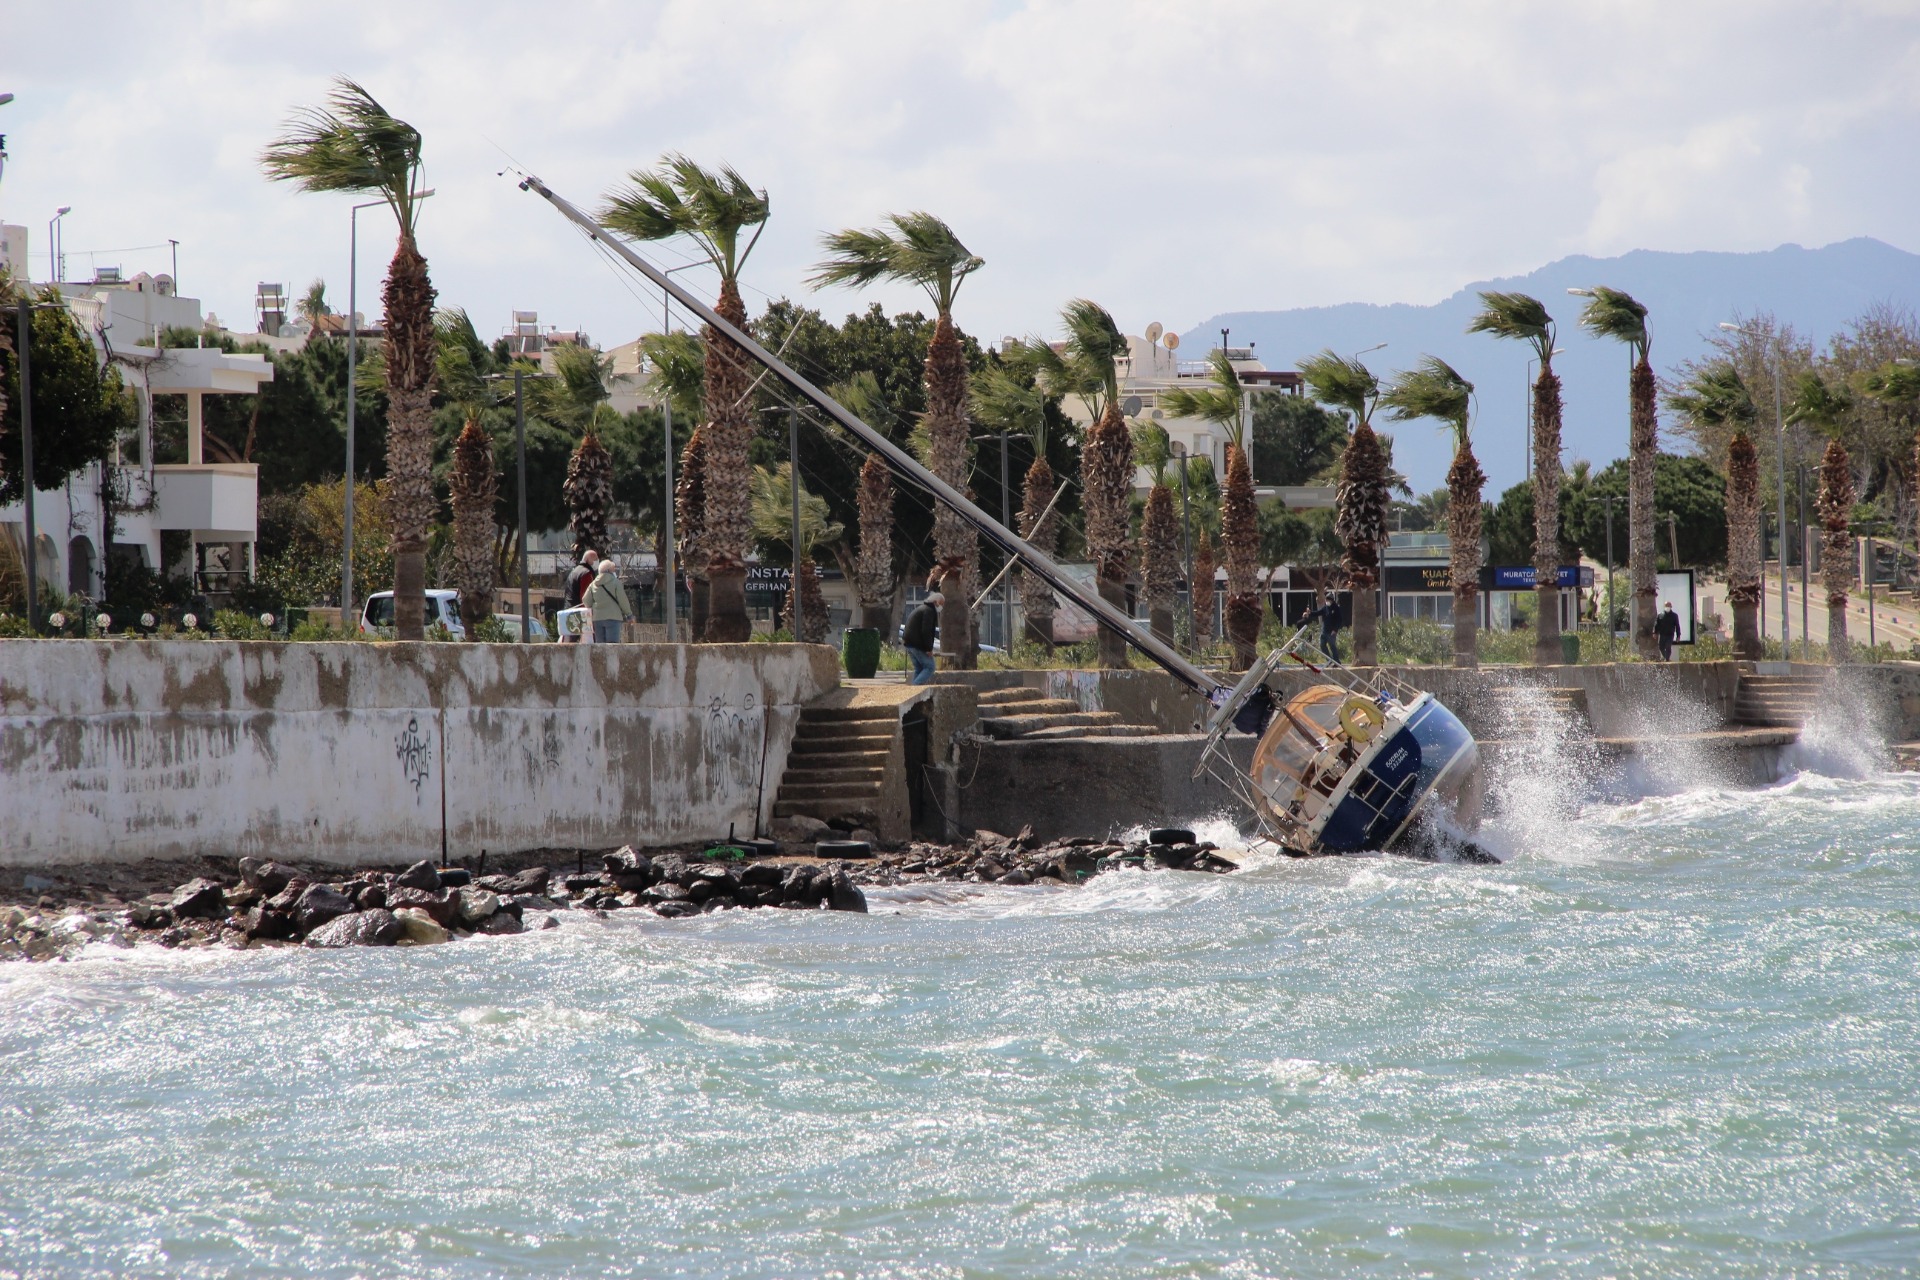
(1222, 401)
(1517, 317)
(1434, 389)
(1609, 313)
(355, 145)
(773, 529)
(1824, 409)
(1715, 404)
(80, 406)
(1295, 440)
(1008, 398)
(711, 208)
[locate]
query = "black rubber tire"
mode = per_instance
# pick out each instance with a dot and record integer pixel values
(758, 848)
(1170, 835)
(843, 849)
(454, 877)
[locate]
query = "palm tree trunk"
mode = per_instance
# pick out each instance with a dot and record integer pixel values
(1643, 448)
(473, 486)
(873, 570)
(1160, 561)
(955, 545)
(690, 505)
(1240, 531)
(727, 526)
(1106, 486)
(1546, 519)
(1743, 546)
(1464, 482)
(1362, 500)
(588, 490)
(1201, 590)
(1836, 550)
(1036, 597)
(408, 298)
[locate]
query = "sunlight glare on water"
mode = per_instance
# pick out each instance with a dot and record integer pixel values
(1676, 1036)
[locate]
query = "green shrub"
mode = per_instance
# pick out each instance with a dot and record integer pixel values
(231, 624)
(14, 628)
(490, 630)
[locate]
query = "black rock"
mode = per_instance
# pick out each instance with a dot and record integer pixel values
(1015, 876)
(578, 883)
(421, 875)
(200, 898)
(521, 903)
(453, 877)
(376, 928)
(798, 886)
(442, 906)
(501, 922)
(319, 904)
(766, 874)
(666, 891)
(757, 895)
(150, 915)
(718, 902)
(263, 923)
(284, 900)
(267, 877)
(844, 895)
(546, 922)
(700, 890)
(532, 880)
(676, 910)
(370, 896)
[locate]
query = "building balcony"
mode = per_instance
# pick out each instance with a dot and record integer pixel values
(217, 501)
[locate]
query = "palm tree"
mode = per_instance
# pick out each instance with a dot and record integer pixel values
(773, 527)
(463, 366)
(1520, 318)
(355, 145)
(1007, 398)
(689, 520)
(1222, 402)
(1613, 314)
(312, 306)
(1823, 408)
(588, 490)
(920, 249)
(1363, 498)
(873, 575)
(1434, 390)
(1159, 531)
(711, 208)
(1714, 399)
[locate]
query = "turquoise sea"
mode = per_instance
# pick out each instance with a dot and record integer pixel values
(1670, 1036)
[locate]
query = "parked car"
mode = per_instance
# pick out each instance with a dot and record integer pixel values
(443, 610)
(511, 621)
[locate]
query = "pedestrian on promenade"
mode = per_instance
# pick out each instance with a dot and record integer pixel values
(580, 577)
(608, 601)
(923, 624)
(1328, 616)
(1666, 630)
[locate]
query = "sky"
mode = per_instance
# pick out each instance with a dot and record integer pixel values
(1171, 161)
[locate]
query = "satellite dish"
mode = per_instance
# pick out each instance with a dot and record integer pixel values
(1172, 340)
(1130, 406)
(1154, 331)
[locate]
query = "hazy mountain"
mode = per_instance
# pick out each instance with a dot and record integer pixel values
(1816, 290)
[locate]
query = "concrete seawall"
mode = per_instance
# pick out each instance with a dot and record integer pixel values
(113, 750)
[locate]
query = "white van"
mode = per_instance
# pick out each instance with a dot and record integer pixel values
(443, 610)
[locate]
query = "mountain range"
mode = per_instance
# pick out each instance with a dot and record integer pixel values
(1817, 291)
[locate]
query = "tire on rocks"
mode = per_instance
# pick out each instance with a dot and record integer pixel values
(842, 849)
(1170, 835)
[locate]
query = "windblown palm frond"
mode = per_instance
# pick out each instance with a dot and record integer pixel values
(1153, 449)
(1431, 389)
(462, 362)
(1715, 397)
(1094, 343)
(574, 396)
(1220, 400)
(921, 249)
(352, 144)
(1343, 383)
(1611, 313)
(1818, 404)
(313, 303)
(1517, 317)
(678, 364)
(680, 198)
(1007, 398)
(773, 512)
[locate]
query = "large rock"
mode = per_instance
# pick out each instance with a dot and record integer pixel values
(284, 900)
(319, 904)
(532, 880)
(476, 905)
(263, 922)
(501, 922)
(443, 908)
(375, 928)
(418, 927)
(268, 877)
(763, 873)
(845, 895)
(421, 875)
(634, 872)
(199, 898)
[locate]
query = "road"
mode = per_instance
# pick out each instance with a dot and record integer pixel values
(1895, 621)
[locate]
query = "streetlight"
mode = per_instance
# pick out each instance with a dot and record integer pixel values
(1780, 517)
(1006, 518)
(671, 596)
(1179, 451)
(353, 392)
(56, 261)
(520, 488)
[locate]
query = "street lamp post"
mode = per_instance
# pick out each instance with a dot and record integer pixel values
(1179, 452)
(1780, 518)
(353, 395)
(56, 261)
(671, 594)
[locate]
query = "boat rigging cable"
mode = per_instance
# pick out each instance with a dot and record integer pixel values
(1162, 654)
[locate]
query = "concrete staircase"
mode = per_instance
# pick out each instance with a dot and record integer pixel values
(838, 768)
(1777, 701)
(1031, 716)
(1528, 711)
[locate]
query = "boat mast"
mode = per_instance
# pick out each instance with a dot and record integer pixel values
(902, 462)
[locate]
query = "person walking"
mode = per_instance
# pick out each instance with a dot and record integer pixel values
(580, 577)
(923, 624)
(608, 601)
(1666, 630)
(1328, 616)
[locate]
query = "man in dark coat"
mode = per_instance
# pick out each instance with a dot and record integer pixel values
(923, 624)
(1328, 616)
(1666, 630)
(580, 577)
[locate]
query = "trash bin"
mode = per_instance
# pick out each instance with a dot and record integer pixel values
(1570, 648)
(860, 648)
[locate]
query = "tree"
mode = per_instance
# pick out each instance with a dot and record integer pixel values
(773, 527)
(1613, 314)
(1159, 531)
(689, 518)
(1715, 403)
(1896, 387)
(1222, 402)
(1007, 398)
(1363, 498)
(589, 494)
(1435, 390)
(1519, 318)
(1294, 439)
(80, 406)
(873, 576)
(473, 486)
(1823, 408)
(312, 306)
(356, 146)
(920, 249)
(711, 208)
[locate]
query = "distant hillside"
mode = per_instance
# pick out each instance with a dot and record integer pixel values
(1816, 290)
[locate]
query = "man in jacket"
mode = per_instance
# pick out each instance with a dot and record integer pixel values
(1328, 616)
(1666, 630)
(580, 577)
(608, 600)
(923, 624)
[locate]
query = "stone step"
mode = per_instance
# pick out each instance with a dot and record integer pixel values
(1020, 726)
(826, 809)
(850, 732)
(839, 715)
(1001, 697)
(869, 774)
(829, 791)
(834, 755)
(1030, 707)
(1090, 731)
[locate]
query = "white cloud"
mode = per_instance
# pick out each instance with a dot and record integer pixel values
(1172, 161)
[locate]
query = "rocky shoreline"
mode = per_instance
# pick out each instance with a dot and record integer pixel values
(265, 903)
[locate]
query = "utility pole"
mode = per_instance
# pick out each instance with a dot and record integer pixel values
(1806, 545)
(520, 462)
(1006, 579)
(26, 463)
(1186, 533)
(793, 474)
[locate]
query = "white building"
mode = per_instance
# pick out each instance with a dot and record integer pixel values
(215, 504)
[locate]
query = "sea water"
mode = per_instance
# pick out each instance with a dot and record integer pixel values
(1668, 1036)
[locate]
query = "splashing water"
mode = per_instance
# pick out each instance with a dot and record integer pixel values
(1674, 1034)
